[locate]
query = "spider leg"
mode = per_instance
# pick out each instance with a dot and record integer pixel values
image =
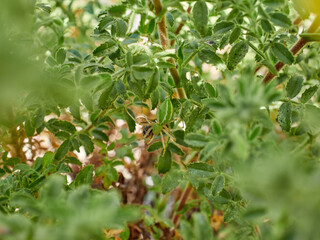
(166, 131)
(150, 140)
(145, 117)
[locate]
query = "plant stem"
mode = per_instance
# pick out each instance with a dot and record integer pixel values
(162, 29)
(103, 112)
(183, 201)
(69, 14)
(192, 55)
(295, 49)
(254, 48)
(180, 27)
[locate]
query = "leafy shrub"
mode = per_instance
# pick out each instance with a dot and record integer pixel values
(142, 119)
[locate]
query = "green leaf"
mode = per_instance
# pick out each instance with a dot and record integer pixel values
(47, 159)
(216, 127)
(310, 120)
(237, 53)
(62, 150)
(73, 160)
(61, 55)
(175, 149)
(202, 170)
(207, 152)
(12, 161)
(162, 64)
(266, 26)
(165, 112)
(196, 140)
(44, 7)
(86, 143)
(85, 176)
(200, 17)
(105, 98)
(63, 125)
(99, 134)
(235, 34)
(154, 81)
(222, 27)
(255, 132)
(130, 119)
(280, 20)
(217, 185)
(155, 146)
(311, 37)
(75, 144)
(106, 48)
(294, 86)
(270, 67)
(202, 228)
(111, 175)
(165, 53)
(117, 10)
(29, 129)
(230, 213)
(164, 162)
(273, 3)
(121, 28)
(171, 180)
(170, 19)
(38, 118)
(211, 92)
(121, 88)
(209, 57)
(105, 22)
(282, 53)
(284, 116)
(142, 72)
(308, 93)
(155, 98)
(151, 26)
(2, 172)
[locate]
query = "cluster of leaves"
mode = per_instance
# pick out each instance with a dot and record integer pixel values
(248, 151)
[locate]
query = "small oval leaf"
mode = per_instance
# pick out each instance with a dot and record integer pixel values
(196, 140)
(200, 16)
(282, 53)
(165, 112)
(164, 163)
(284, 116)
(217, 185)
(294, 86)
(237, 53)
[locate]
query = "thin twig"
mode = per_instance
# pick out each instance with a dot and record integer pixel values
(184, 198)
(180, 26)
(297, 21)
(162, 29)
(295, 49)
(181, 94)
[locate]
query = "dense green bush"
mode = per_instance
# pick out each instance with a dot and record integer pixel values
(149, 119)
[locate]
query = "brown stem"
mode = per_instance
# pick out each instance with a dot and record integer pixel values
(180, 26)
(297, 21)
(295, 50)
(183, 201)
(162, 29)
